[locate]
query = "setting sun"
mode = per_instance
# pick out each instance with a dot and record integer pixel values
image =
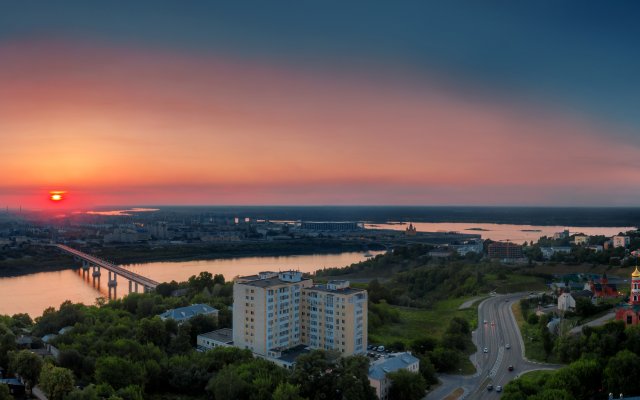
(56, 196)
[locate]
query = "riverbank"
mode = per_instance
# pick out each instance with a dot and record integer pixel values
(45, 259)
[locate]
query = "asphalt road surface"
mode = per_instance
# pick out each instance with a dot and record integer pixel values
(492, 367)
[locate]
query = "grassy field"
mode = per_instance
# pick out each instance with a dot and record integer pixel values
(416, 323)
(512, 283)
(535, 375)
(419, 322)
(533, 348)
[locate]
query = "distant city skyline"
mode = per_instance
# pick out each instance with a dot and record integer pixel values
(194, 103)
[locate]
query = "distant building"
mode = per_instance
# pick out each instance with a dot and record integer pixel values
(596, 247)
(159, 230)
(548, 252)
(186, 313)
(210, 340)
(566, 302)
(379, 369)
(504, 250)
(440, 253)
(581, 240)
(468, 246)
(411, 230)
(630, 312)
(621, 241)
(602, 289)
(561, 235)
(331, 226)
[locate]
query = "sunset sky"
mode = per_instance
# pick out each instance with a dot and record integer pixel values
(423, 103)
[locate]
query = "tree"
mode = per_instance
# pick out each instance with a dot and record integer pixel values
(119, 372)
(6, 395)
(286, 391)
(228, 385)
(352, 380)
(406, 385)
(56, 382)
(152, 330)
(621, 373)
(27, 365)
(312, 372)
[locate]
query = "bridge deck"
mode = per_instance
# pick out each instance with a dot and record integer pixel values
(132, 276)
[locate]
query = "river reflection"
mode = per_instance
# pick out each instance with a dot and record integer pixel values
(33, 293)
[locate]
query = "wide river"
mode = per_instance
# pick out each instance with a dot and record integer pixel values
(514, 233)
(33, 293)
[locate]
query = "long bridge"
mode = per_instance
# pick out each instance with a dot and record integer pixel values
(89, 261)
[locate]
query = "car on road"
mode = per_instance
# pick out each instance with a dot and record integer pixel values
(381, 348)
(485, 321)
(508, 346)
(498, 388)
(506, 300)
(489, 387)
(486, 350)
(493, 323)
(510, 368)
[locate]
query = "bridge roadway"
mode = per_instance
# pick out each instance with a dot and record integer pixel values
(117, 270)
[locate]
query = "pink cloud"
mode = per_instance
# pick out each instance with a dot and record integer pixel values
(120, 122)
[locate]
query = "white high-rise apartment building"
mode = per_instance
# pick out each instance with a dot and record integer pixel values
(273, 312)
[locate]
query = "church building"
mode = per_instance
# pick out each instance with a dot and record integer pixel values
(630, 312)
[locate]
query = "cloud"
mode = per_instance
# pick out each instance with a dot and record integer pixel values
(122, 121)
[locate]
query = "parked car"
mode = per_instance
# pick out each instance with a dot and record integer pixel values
(380, 348)
(489, 387)
(498, 388)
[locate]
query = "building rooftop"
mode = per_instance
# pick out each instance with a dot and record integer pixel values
(185, 313)
(330, 289)
(394, 362)
(258, 281)
(224, 335)
(290, 355)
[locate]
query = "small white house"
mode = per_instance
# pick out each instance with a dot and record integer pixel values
(566, 302)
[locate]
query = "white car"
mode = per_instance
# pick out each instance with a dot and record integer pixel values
(486, 350)
(507, 346)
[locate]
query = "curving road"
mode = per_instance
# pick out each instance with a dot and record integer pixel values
(500, 330)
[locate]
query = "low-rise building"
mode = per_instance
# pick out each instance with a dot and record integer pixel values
(548, 252)
(581, 240)
(505, 250)
(566, 302)
(186, 313)
(561, 235)
(468, 246)
(379, 369)
(621, 241)
(219, 338)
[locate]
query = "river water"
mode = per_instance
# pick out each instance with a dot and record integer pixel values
(499, 232)
(35, 292)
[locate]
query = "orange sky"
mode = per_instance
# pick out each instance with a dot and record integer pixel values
(123, 126)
